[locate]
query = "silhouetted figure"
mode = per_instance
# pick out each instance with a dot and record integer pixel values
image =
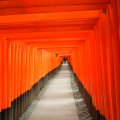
(64, 60)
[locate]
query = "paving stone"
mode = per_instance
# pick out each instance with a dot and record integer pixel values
(59, 100)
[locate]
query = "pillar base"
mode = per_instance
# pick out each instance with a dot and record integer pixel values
(95, 114)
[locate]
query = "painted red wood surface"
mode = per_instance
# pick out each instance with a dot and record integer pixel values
(34, 42)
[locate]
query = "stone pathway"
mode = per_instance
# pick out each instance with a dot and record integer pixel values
(57, 100)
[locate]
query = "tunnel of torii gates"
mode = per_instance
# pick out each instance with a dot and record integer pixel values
(36, 35)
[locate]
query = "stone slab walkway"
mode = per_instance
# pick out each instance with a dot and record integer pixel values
(56, 101)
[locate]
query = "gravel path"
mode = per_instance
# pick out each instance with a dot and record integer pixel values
(74, 107)
(82, 110)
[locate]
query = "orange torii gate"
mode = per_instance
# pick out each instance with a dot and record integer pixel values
(35, 36)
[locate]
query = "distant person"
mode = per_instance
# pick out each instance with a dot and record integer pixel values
(64, 60)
